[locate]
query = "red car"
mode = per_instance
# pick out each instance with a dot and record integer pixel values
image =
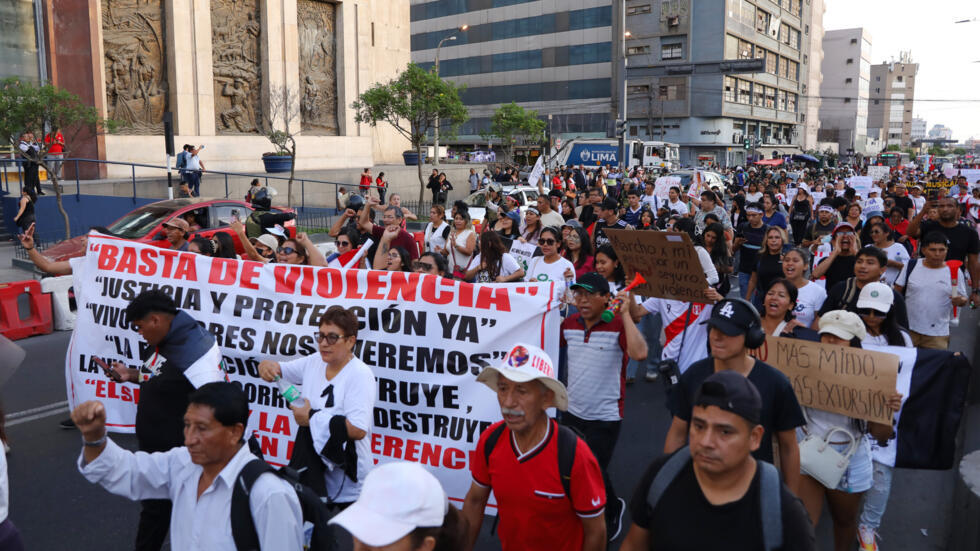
(145, 224)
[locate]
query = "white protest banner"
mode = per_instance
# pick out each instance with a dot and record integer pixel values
(878, 173)
(697, 185)
(663, 184)
(523, 252)
(972, 175)
(537, 172)
(949, 170)
(426, 338)
(873, 204)
(861, 184)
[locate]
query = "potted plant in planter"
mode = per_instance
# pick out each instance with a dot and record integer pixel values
(278, 125)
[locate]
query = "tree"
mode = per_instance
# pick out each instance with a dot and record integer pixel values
(936, 150)
(411, 104)
(278, 123)
(511, 123)
(893, 147)
(29, 108)
(959, 151)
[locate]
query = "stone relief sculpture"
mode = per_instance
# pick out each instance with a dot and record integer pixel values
(237, 62)
(135, 64)
(318, 67)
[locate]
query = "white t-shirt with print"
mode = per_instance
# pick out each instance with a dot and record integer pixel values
(928, 297)
(918, 203)
(680, 207)
(508, 264)
(808, 303)
(674, 316)
(350, 393)
(539, 270)
(898, 252)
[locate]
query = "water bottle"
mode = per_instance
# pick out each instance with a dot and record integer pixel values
(288, 391)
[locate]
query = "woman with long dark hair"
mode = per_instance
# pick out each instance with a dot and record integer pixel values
(770, 264)
(225, 246)
(810, 295)
(800, 212)
(25, 211)
(713, 241)
(493, 263)
(578, 251)
(608, 266)
(778, 306)
(531, 231)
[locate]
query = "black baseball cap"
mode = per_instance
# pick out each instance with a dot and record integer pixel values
(732, 317)
(732, 392)
(592, 282)
(609, 204)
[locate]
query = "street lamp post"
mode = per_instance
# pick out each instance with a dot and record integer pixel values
(438, 48)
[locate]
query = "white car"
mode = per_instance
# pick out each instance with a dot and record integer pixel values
(526, 195)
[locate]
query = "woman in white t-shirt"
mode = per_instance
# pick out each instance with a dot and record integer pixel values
(875, 308)
(338, 393)
(437, 230)
(531, 230)
(810, 296)
(898, 255)
(753, 195)
(461, 243)
(492, 263)
(551, 266)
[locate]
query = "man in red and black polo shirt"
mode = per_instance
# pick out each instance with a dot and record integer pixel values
(595, 353)
(547, 483)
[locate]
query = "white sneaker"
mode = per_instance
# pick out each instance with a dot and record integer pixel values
(867, 538)
(651, 376)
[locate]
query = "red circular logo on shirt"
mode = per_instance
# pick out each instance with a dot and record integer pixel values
(518, 356)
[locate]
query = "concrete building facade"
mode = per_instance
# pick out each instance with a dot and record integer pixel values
(710, 116)
(552, 57)
(218, 65)
(845, 90)
(918, 129)
(892, 100)
(941, 132)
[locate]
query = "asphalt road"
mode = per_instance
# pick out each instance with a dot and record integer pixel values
(54, 507)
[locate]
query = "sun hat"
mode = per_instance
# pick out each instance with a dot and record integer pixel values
(525, 363)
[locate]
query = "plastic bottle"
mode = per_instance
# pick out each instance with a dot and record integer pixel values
(289, 392)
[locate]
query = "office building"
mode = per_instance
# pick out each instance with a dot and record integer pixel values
(553, 57)
(845, 90)
(810, 117)
(918, 129)
(710, 116)
(941, 132)
(892, 97)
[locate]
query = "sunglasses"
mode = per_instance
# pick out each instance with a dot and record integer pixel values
(872, 313)
(419, 265)
(343, 243)
(547, 242)
(286, 250)
(331, 338)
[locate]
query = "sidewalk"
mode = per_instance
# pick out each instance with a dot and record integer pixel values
(9, 272)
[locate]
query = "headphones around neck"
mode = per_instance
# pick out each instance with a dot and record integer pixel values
(755, 336)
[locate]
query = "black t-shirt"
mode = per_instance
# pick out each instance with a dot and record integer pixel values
(769, 269)
(684, 520)
(962, 238)
(841, 269)
(749, 251)
(905, 202)
(160, 413)
(587, 216)
(835, 301)
(599, 233)
(780, 409)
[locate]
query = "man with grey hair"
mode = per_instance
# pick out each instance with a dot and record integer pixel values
(392, 217)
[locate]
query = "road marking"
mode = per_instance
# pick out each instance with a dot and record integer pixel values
(34, 414)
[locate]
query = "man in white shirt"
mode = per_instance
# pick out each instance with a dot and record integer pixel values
(549, 216)
(194, 169)
(675, 204)
(198, 477)
(649, 199)
(930, 293)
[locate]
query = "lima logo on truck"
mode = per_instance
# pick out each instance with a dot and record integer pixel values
(596, 154)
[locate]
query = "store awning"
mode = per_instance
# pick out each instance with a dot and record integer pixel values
(770, 162)
(805, 158)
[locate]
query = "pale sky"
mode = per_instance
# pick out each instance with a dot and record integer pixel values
(944, 51)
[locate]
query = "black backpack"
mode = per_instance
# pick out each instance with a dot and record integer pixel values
(314, 509)
(770, 496)
(567, 442)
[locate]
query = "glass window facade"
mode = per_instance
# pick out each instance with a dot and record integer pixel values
(561, 56)
(18, 40)
(517, 28)
(538, 91)
(442, 8)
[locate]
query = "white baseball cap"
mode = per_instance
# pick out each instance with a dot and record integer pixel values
(876, 295)
(843, 324)
(396, 498)
(526, 363)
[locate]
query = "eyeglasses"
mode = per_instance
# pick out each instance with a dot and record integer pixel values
(331, 338)
(573, 237)
(286, 250)
(845, 233)
(872, 313)
(419, 265)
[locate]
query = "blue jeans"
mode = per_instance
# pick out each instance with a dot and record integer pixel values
(743, 283)
(650, 327)
(876, 498)
(194, 182)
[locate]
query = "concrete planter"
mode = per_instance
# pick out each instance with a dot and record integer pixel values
(411, 157)
(277, 163)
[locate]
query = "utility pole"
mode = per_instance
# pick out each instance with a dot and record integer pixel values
(623, 113)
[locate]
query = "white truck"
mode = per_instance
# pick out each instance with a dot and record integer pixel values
(603, 152)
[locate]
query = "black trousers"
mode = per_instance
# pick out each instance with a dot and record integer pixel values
(601, 436)
(154, 524)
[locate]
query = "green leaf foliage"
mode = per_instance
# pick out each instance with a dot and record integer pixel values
(512, 124)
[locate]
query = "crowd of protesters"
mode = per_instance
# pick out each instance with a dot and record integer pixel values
(796, 253)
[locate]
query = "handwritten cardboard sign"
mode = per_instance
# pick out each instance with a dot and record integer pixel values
(663, 185)
(667, 261)
(851, 381)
